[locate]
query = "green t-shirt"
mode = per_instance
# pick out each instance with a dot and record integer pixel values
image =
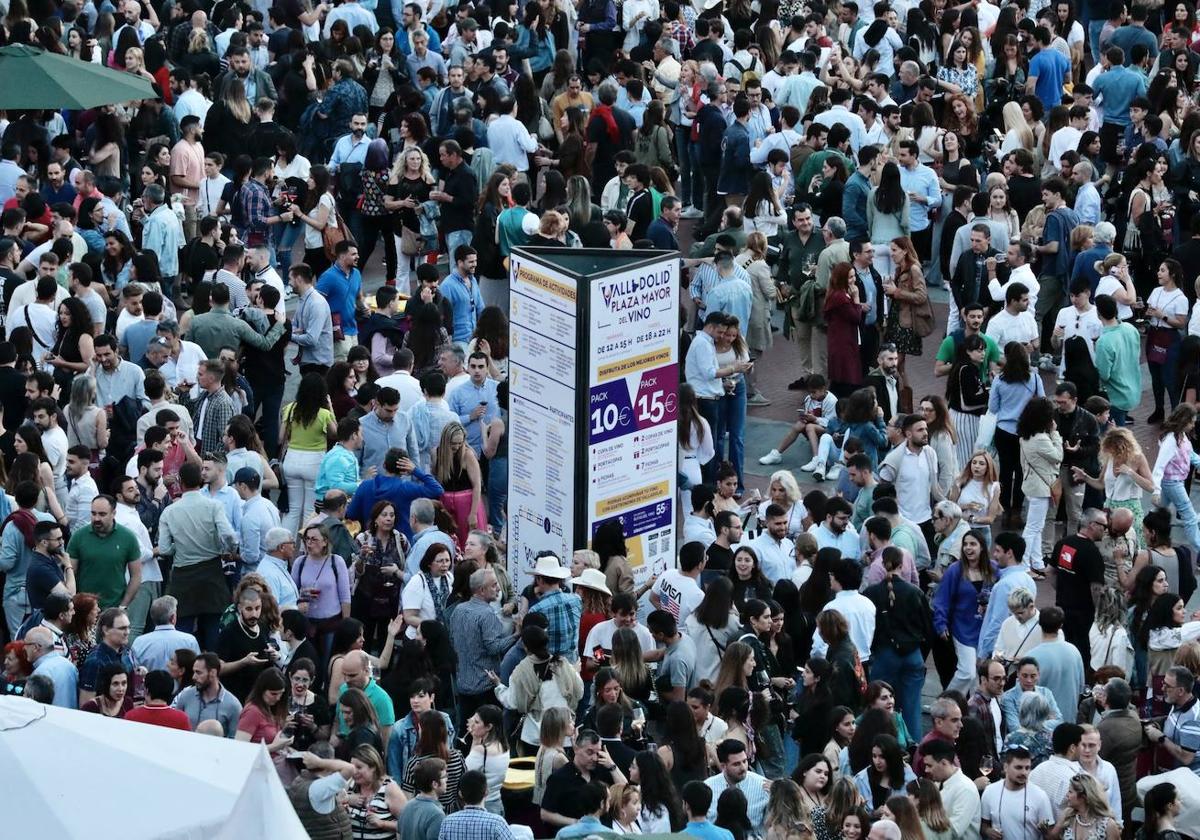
(101, 562)
(991, 354)
(309, 438)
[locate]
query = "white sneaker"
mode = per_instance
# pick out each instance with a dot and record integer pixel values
(834, 472)
(819, 472)
(811, 465)
(772, 457)
(690, 212)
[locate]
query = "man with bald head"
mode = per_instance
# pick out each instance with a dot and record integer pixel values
(356, 673)
(1118, 548)
(39, 650)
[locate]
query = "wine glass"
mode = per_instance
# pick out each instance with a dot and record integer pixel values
(985, 765)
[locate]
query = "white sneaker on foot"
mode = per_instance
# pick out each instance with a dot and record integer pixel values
(819, 472)
(834, 472)
(772, 457)
(811, 465)
(690, 212)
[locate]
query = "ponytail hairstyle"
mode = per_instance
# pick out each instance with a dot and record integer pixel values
(892, 559)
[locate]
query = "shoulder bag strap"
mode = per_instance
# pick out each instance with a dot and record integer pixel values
(720, 648)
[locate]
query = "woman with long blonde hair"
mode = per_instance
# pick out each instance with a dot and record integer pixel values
(1017, 133)
(902, 811)
(457, 470)
(1124, 472)
(930, 809)
(787, 817)
(227, 127)
(976, 490)
(1086, 815)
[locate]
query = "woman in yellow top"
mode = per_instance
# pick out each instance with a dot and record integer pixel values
(308, 426)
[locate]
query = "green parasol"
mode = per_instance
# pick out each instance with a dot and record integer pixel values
(36, 79)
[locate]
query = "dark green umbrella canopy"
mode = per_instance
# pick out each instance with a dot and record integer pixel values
(31, 78)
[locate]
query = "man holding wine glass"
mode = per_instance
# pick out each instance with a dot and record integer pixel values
(1012, 809)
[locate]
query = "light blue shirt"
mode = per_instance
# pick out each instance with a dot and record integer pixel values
(65, 677)
(420, 545)
(9, 173)
(349, 150)
(1008, 399)
(465, 399)
(796, 90)
(586, 825)
(258, 517)
(128, 380)
(705, 277)
(312, 328)
(235, 459)
(752, 787)
(1087, 204)
(379, 437)
(759, 125)
(845, 542)
(275, 573)
(15, 556)
(466, 303)
(923, 181)
(511, 142)
(1009, 579)
(230, 501)
(1060, 667)
(733, 297)
(163, 234)
(1010, 707)
(338, 471)
(702, 367)
(428, 418)
(154, 650)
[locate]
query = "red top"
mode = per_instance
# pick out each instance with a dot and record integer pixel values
(160, 716)
(586, 622)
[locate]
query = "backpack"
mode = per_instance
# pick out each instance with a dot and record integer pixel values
(745, 73)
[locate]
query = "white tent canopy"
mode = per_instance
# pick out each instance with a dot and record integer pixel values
(74, 775)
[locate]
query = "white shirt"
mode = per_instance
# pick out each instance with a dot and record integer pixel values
(191, 103)
(960, 798)
(406, 384)
(1022, 274)
(271, 278)
(186, 368)
(41, 319)
(859, 612)
(600, 638)
(128, 516)
(210, 195)
(1016, 813)
(454, 382)
(713, 729)
(698, 529)
(914, 482)
(802, 574)
(852, 121)
(1065, 139)
(79, 501)
(1073, 323)
(1172, 303)
(1005, 327)
(1106, 775)
(776, 559)
(417, 596)
(678, 594)
(1109, 284)
(1053, 776)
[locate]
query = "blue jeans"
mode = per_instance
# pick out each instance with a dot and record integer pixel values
(497, 491)
(285, 240)
(1175, 494)
(1163, 376)
(733, 423)
(455, 238)
(1119, 416)
(1094, 28)
(906, 675)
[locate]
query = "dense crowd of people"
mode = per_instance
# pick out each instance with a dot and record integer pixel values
(189, 541)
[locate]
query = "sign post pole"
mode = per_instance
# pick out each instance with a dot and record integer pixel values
(593, 403)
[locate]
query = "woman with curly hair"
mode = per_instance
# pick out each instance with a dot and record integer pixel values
(1125, 472)
(73, 349)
